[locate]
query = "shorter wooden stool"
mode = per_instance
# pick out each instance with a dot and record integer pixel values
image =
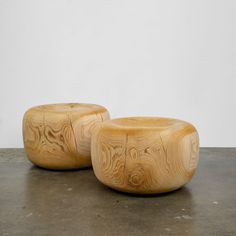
(145, 155)
(58, 136)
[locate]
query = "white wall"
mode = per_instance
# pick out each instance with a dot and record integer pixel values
(160, 58)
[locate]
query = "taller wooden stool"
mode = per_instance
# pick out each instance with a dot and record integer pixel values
(144, 154)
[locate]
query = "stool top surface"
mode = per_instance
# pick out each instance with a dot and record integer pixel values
(137, 123)
(69, 107)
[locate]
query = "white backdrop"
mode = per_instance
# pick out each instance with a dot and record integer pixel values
(161, 58)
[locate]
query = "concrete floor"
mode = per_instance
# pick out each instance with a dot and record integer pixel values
(35, 201)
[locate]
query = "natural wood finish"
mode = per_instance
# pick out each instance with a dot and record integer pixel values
(58, 136)
(145, 154)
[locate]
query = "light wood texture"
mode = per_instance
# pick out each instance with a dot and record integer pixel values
(58, 136)
(145, 155)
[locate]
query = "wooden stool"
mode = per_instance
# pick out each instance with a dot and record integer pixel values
(58, 136)
(145, 155)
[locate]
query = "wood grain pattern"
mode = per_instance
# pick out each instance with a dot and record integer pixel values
(145, 155)
(58, 136)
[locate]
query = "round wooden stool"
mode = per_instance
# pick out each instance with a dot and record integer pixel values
(58, 136)
(145, 155)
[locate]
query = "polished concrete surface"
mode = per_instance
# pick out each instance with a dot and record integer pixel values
(35, 201)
